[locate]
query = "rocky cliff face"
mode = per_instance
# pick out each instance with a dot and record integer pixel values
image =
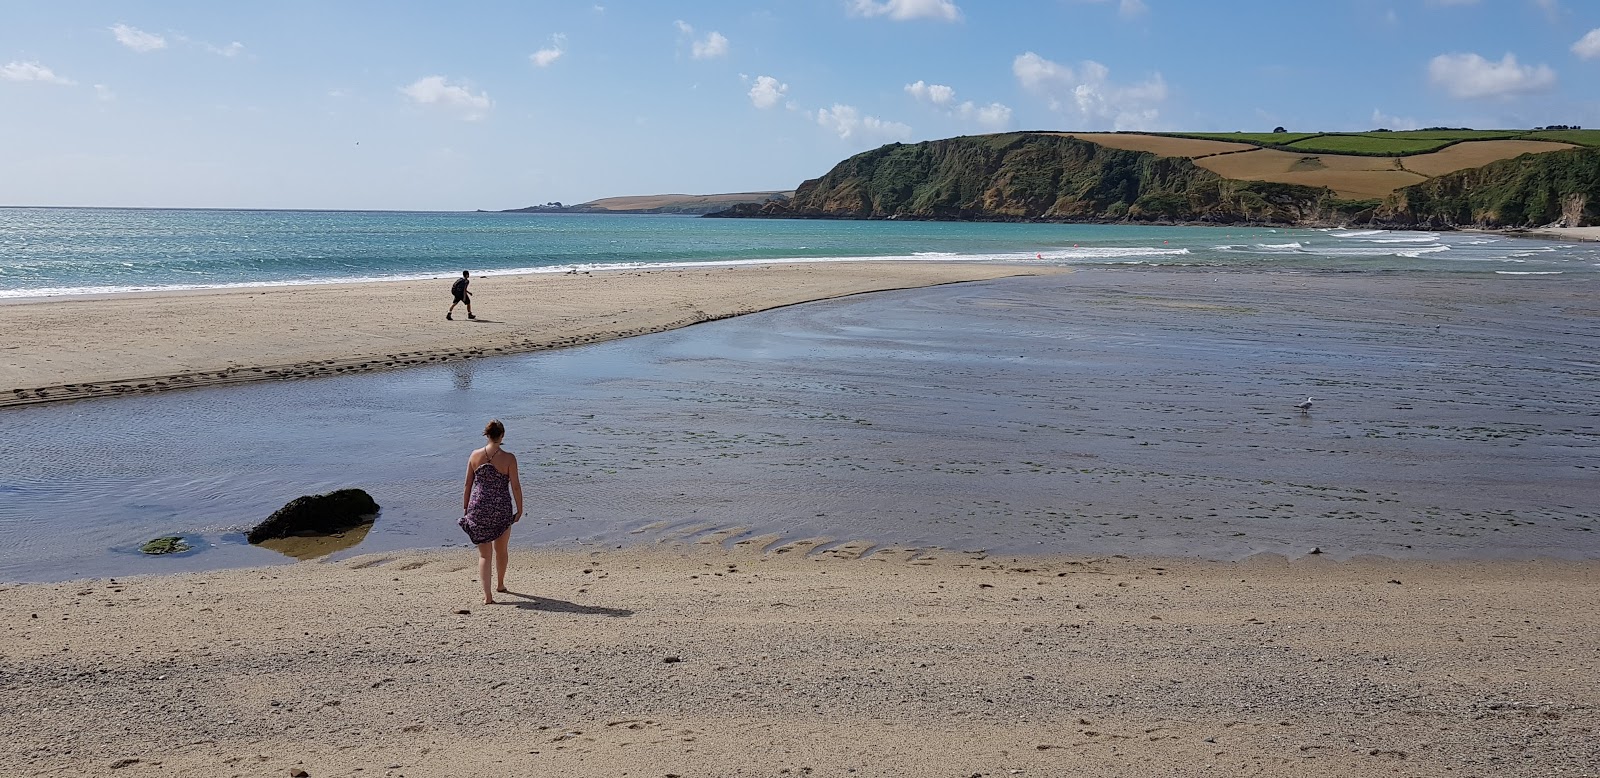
(1038, 177)
(1532, 190)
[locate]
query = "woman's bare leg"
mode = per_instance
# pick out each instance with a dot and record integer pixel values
(502, 554)
(485, 569)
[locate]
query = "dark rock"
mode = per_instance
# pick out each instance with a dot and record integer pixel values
(1317, 550)
(672, 660)
(322, 514)
(295, 772)
(171, 544)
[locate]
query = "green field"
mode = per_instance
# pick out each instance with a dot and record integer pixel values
(1387, 144)
(1451, 134)
(1577, 137)
(1259, 138)
(1384, 143)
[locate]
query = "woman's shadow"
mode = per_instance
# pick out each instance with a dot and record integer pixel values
(534, 603)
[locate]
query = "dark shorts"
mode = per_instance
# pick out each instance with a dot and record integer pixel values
(461, 297)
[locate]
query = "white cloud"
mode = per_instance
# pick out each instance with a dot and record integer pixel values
(848, 123)
(1469, 75)
(712, 46)
(993, 116)
(138, 39)
(1588, 47)
(439, 92)
(1086, 93)
(103, 93)
(767, 91)
(32, 71)
(543, 57)
(903, 10)
(1381, 119)
(938, 94)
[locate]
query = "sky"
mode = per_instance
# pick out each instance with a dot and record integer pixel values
(493, 105)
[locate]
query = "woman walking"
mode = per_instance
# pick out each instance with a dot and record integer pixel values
(492, 502)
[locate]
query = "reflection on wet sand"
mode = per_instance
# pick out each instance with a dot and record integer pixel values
(305, 547)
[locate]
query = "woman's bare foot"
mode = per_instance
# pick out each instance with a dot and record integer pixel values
(503, 590)
(489, 601)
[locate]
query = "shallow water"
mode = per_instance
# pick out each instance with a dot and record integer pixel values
(1138, 412)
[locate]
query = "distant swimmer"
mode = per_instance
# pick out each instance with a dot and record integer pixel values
(1038, 256)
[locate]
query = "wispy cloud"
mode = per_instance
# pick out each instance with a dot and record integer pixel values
(543, 57)
(32, 71)
(1086, 93)
(1127, 8)
(767, 92)
(438, 92)
(1467, 76)
(1588, 47)
(137, 39)
(905, 10)
(233, 49)
(1385, 121)
(849, 123)
(709, 46)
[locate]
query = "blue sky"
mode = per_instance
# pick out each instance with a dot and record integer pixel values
(502, 104)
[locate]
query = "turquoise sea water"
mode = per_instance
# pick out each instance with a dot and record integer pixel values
(63, 251)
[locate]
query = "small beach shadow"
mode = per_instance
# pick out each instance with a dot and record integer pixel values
(562, 606)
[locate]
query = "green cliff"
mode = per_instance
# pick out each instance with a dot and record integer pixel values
(1043, 177)
(1532, 190)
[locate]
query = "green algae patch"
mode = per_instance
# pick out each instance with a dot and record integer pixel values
(171, 544)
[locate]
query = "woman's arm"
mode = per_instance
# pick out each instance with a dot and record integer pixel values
(466, 495)
(516, 490)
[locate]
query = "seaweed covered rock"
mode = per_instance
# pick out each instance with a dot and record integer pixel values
(171, 544)
(320, 514)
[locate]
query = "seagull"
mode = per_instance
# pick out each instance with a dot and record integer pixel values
(1304, 406)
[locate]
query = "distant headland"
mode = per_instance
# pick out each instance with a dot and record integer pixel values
(661, 203)
(1439, 178)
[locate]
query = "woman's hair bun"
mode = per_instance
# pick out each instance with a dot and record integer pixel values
(494, 430)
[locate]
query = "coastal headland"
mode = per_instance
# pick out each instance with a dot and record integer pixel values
(738, 660)
(64, 349)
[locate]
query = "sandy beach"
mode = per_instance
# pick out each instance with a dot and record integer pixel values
(60, 349)
(1580, 234)
(692, 660)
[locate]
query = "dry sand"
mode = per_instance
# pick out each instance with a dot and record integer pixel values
(60, 349)
(695, 661)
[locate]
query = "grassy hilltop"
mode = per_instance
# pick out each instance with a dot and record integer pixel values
(1280, 178)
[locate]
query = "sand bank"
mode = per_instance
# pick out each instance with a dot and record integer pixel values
(92, 347)
(694, 661)
(1580, 234)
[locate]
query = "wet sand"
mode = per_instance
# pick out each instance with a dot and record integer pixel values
(1587, 234)
(695, 661)
(64, 349)
(1142, 412)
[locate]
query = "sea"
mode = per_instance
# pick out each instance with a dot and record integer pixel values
(1143, 405)
(74, 251)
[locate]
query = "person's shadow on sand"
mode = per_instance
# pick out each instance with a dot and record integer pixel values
(562, 606)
